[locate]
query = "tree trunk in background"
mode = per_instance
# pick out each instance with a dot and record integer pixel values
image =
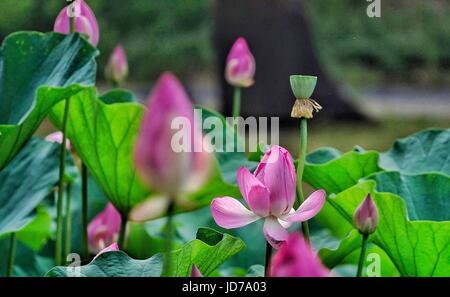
(279, 37)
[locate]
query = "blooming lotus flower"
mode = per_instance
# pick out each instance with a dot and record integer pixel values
(295, 258)
(195, 272)
(366, 216)
(58, 138)
(104, 229)
(269, 194)
(161, 162)
(116, 70)
(240, 65)
(114, 247)
(84, 20)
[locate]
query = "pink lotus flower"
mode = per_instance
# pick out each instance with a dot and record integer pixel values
(84, 20)
(58, 138)
(270, 194)
(195, 272)
(117, 68)
(114, 247)
(104, 229)
(162, 162)
(240, 65)
(366, 216)
(295, 258)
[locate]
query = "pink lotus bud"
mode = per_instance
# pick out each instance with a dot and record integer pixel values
(195, 272)
(114, 247)
(104, 229)
(366, 216)
(240, 65)
(116, 70)
(164, 152)
(295, 258)
(58, 138)
(84, 20)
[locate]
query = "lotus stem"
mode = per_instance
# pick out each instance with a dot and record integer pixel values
(11, 254)
(237, 102)
(84, 211)
(62, 163)
(362, 256)
(68, 234)
(268, 259)
(169, 237)
(123, 230)
(301, 168)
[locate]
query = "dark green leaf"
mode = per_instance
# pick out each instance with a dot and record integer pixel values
(425, 151)
(25, 182)
(36, 72)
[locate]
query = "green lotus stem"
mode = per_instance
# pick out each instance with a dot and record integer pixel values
(84, 211)
(123, 230)
(169, 237)
(268, 259)
(362, 256)
(72, 22)
(11, 254)
(62, 163)
(301, 168)
(237, 102)
(68, 219)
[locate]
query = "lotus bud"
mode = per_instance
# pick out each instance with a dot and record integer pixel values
(104, 229)
(366, 216)
(85, 21)
(195, 272)
(303, 86)
(240, 65)
(116, 70)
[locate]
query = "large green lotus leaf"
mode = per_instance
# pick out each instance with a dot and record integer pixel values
(208, 251)
(425, 151)
(25, 182)
(326, 169)
(229, 158)
(37, 71)
(103, 136)
(427, 196)
(417, 248)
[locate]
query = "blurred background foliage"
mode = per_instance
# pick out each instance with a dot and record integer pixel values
(409, 44)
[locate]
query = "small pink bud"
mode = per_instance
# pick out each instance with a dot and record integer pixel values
(114, 247)
(116, 70)
(195, 272)
(366, 216)
(104, 229)
(58, 138)
(84, 20)
(240, 65)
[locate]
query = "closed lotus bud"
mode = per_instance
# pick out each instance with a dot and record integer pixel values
(85, 21)
(104, 229)
(240, 65)
(303, 86)
(195, 272)
(164, 163)
(114, 247)
(58, 138)
(116, 70)
(366, 216)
